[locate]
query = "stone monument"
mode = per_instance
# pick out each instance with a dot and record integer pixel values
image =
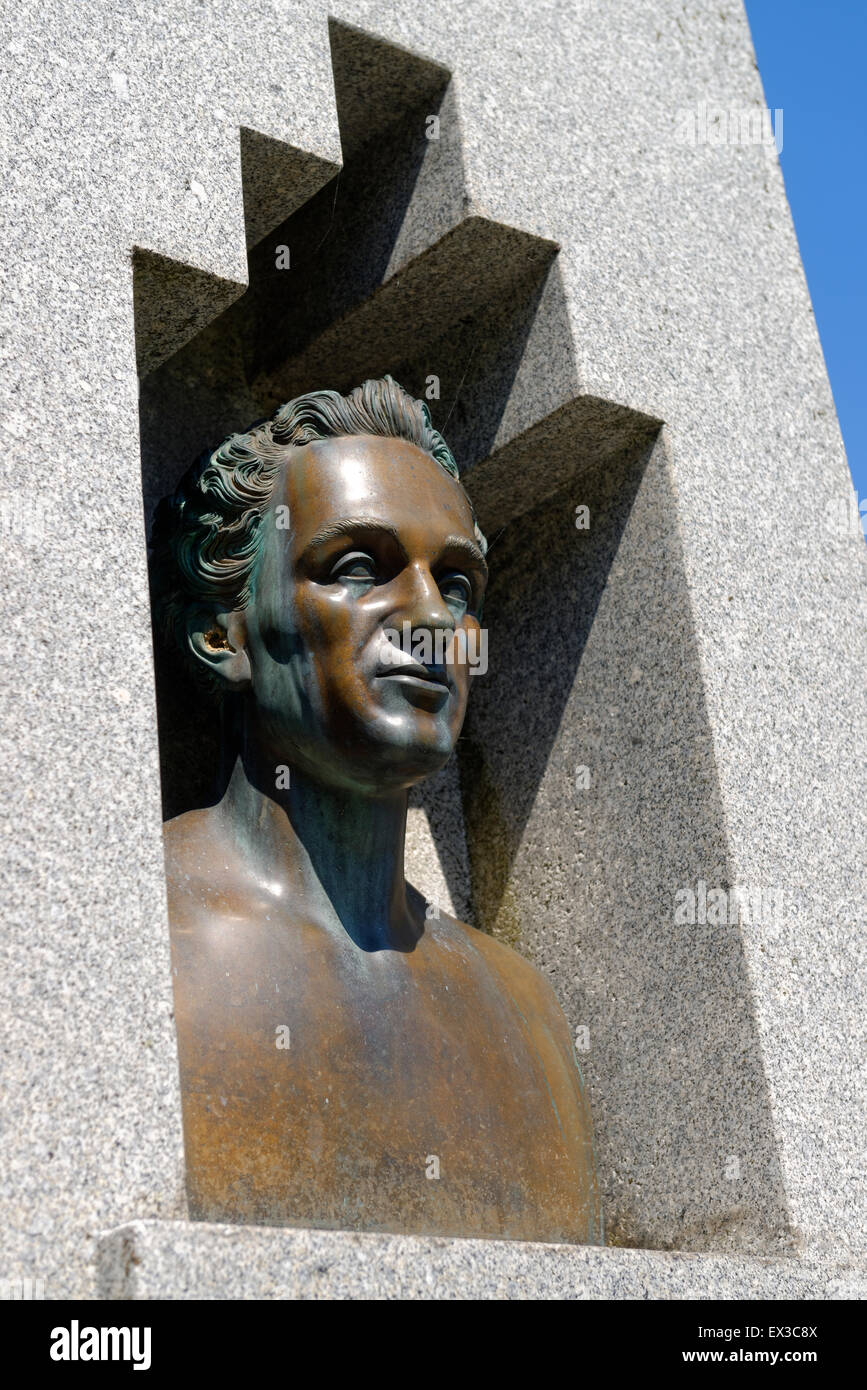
(549, 228)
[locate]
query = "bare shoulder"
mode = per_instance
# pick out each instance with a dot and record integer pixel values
(531, 991)
(200, 874)
(185, 837)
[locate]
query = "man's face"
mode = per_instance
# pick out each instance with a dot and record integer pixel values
(364, 537)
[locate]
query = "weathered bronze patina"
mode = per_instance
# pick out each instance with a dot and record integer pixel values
(347, 1060)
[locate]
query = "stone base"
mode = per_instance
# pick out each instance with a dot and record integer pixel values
(185, 1260)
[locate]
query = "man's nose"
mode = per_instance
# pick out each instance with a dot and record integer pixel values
(422, 605)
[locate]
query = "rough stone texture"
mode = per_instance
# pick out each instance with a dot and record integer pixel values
(708, 648)
(583, 879)
(437, 863)
(162, 1259)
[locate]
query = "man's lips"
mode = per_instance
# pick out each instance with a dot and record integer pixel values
(415, 675)
(400, 666)
(418, 685)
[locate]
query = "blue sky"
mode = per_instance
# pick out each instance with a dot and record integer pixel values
(812, 56)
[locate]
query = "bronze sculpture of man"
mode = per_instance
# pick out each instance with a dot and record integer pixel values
(347, 1061)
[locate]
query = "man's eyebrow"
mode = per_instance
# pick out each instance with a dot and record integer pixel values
(349, 526)
(469, 549)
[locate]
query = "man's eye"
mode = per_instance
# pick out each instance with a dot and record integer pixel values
(456, 589)
(357, 568)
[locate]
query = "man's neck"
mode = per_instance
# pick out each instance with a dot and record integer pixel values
(335, 855)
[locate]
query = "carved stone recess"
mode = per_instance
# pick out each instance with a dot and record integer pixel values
(392, 269)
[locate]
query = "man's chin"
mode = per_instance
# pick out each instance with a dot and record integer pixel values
(403, 766)
(400, 756)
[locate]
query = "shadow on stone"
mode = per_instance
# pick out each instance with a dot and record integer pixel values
(590, 798)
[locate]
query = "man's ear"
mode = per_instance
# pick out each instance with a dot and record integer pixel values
(220, 641)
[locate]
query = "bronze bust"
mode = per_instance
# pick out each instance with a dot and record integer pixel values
(347, 1060)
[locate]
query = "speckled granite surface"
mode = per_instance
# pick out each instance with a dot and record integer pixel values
(698, 650)
(162, 1259)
